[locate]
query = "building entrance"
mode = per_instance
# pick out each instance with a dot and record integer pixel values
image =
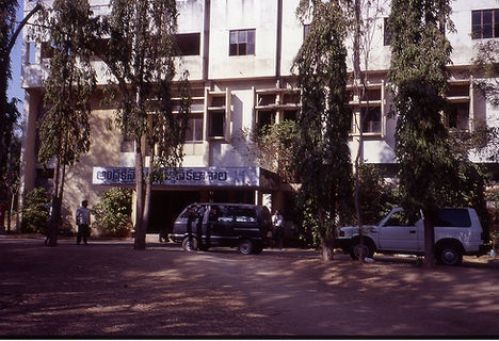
(166, 206)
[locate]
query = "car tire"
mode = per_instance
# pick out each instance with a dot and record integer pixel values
(366, 249)
(190, 244)
(449, 255)
(246, 247)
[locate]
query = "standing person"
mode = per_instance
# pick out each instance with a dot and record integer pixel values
(212, 220)
(278, 224)
(83, 222)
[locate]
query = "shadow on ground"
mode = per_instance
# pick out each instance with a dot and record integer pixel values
(108, 289)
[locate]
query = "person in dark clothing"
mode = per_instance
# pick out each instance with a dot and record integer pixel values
(83, 222)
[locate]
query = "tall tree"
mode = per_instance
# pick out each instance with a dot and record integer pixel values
(140, 54)
(418, 72)
(323, 156)
(486, 64)
(363, 25)
(9, 115)
(64, 126)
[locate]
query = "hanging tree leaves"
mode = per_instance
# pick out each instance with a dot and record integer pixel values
(431, 171)
(64, 127)
(9, 115)
(140, 55)
(323, 156)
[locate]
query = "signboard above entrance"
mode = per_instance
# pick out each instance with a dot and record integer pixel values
(192, 176)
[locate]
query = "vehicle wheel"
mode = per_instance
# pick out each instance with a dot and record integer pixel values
(365, 249)
(246, 247)
(190, 244)
(449, 255)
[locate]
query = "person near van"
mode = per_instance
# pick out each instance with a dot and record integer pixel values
(278, 226)
(83, 222)
(212, 219)
(191, 217)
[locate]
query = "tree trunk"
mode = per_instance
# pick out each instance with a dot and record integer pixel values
(327, 240)
(140, 228)
(326, 251)
(358, 79)
(55, 209)
(147, 200)
(429, 240)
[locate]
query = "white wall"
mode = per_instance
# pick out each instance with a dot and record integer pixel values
(227, 15)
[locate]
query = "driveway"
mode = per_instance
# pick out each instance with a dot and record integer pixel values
(108, 289)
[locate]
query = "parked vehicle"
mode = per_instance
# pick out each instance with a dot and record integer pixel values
(203, 225)
(458, 232)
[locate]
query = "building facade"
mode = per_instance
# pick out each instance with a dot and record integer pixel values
(239, 54)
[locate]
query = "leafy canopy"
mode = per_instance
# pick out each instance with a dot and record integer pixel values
(323, 155)
(65, 129)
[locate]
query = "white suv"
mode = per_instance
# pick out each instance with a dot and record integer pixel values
(458, 231)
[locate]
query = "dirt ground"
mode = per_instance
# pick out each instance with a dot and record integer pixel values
(107, 289)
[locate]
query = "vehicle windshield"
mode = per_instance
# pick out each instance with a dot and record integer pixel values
(382, 218)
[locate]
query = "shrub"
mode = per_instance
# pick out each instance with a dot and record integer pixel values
(377, 196)
(35, 213)
(112, 213)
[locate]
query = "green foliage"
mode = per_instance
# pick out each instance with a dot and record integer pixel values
(433, 174)
(377, 196)
(8, 112)
(492, 196)
(420, 55)
(486, 64)
(322, 153)
(65, 129)
(35, 211)
(276, 148)
(435, 170)
(142, 63)
(112, 213)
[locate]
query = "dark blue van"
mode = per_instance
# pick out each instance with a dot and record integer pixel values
(203, 225)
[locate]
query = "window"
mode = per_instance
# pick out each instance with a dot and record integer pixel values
(221, 214)
(371, 120)
(453, 217)
(194, 131)
(217, 123)
(387, 36)
(265, 118)
(47, 51)
(291, 98)
(242, 43)
(457, 116)
(485, 24)
(188, 43)
(195, 212)
(306, 30)
(291, 115)
(31, 53)
(244, 215)
(399, 219)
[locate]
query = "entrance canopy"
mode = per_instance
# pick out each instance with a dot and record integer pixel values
(247, 177)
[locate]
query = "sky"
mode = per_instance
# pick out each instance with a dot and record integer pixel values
(15, 89)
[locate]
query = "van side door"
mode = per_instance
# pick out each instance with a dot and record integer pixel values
(245, 223)
(219, 225)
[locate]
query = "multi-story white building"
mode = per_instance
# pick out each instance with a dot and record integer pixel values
(239, 54)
